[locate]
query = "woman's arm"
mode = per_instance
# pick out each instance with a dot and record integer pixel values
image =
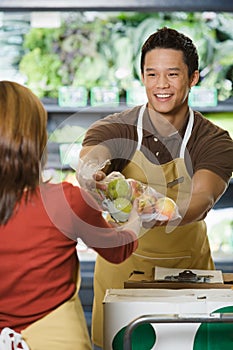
(113, 242)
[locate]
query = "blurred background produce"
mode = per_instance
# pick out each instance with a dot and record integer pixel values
(102, 48)
(220, 232)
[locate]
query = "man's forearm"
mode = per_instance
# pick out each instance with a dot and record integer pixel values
(196, 208)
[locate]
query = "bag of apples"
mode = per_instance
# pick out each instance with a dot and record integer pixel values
(119, 196)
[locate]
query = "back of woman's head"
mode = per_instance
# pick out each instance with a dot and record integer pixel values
(23, 138)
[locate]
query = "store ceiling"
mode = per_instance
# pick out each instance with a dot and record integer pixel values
(106, 5)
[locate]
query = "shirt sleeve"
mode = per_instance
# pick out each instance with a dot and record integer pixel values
(118, 133)
(89, 225)
(212, 149)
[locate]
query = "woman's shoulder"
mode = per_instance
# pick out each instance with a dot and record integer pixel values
(58, 191)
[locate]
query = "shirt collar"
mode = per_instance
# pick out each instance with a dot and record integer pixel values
(149, 129)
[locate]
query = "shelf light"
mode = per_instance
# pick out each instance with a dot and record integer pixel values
(45, 19)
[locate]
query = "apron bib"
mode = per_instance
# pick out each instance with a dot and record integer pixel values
(184, 247)
(62, 329)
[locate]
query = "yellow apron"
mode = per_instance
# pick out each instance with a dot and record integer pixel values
(182, 247)
(62, 329)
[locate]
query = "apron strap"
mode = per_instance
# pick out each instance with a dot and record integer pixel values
(187, 133)
(139, 127)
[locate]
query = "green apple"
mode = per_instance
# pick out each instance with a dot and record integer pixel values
(122, 204)
(118, 187)
(122, 208)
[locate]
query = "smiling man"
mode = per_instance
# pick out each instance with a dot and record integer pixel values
(175, 150)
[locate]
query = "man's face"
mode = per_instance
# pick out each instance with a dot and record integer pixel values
(166, 80)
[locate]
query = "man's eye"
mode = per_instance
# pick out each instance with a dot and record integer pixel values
(173, 74)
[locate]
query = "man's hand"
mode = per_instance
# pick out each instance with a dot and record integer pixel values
(98, 177)
(90, 174)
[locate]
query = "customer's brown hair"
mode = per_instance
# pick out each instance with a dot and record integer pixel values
(23, 138)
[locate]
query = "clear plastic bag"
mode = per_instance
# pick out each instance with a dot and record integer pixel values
(120, 193)
(155, 206)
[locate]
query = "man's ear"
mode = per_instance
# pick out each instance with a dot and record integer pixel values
(194, 78)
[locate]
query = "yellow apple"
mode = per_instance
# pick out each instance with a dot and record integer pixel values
(165, 206)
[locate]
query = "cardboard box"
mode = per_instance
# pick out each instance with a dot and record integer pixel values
(121, 306)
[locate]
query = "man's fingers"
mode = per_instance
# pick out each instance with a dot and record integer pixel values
(99, 175)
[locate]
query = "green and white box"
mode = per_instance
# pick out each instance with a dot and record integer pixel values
(70, 96)
(104, 96)
(203, 97)
(121, 306)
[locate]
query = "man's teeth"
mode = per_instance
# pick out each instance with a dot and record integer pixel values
(163, 95)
